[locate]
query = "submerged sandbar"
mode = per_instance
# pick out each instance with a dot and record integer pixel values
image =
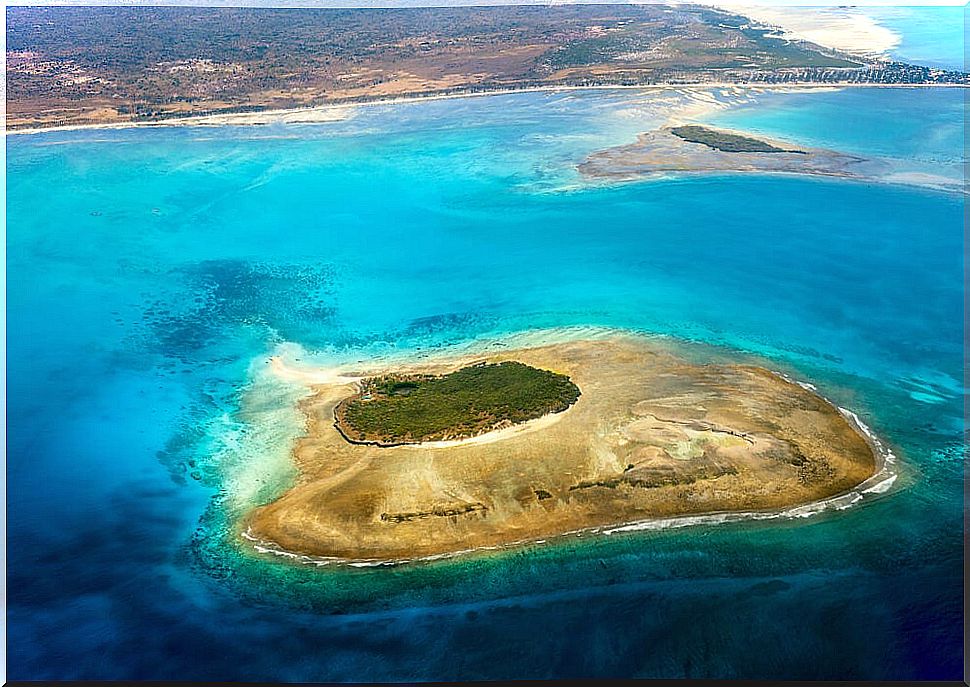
(651, 434)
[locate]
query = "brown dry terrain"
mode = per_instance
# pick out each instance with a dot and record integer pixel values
(82, 65)
(652, 435)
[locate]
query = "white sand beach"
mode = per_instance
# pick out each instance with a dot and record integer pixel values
(847, 29)
(302, 115)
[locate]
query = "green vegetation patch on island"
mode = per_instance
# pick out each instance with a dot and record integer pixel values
(411, 408)
(725, 142)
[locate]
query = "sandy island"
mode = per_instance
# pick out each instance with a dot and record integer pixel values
(652, 436)
(661, 151)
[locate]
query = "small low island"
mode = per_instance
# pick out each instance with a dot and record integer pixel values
(442, 455)
(692, 148)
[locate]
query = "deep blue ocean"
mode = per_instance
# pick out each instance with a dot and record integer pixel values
(152, 271)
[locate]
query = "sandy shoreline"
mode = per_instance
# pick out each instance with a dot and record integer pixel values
(844, 29)
(479, 485)
(879, 483)
(340, 111)
(301, 115)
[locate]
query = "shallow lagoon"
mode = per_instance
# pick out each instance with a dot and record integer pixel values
(153, 271)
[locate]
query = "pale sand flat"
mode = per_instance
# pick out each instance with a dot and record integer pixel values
(652, 435)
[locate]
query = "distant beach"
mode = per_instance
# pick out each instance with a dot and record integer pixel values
(841, 28)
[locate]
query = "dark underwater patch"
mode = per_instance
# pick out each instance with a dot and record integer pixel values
(221, 295)
(446, 324)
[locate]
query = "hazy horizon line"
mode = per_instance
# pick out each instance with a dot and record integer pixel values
(392, 4)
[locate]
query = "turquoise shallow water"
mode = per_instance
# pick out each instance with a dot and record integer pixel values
(934, 36)
(152, 272)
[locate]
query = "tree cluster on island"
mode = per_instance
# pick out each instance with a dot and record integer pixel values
(396, 409)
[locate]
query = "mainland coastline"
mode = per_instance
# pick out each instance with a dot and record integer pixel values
(344, 109)
(653, 438)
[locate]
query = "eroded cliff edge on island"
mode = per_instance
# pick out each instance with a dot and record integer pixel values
(653, 435)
